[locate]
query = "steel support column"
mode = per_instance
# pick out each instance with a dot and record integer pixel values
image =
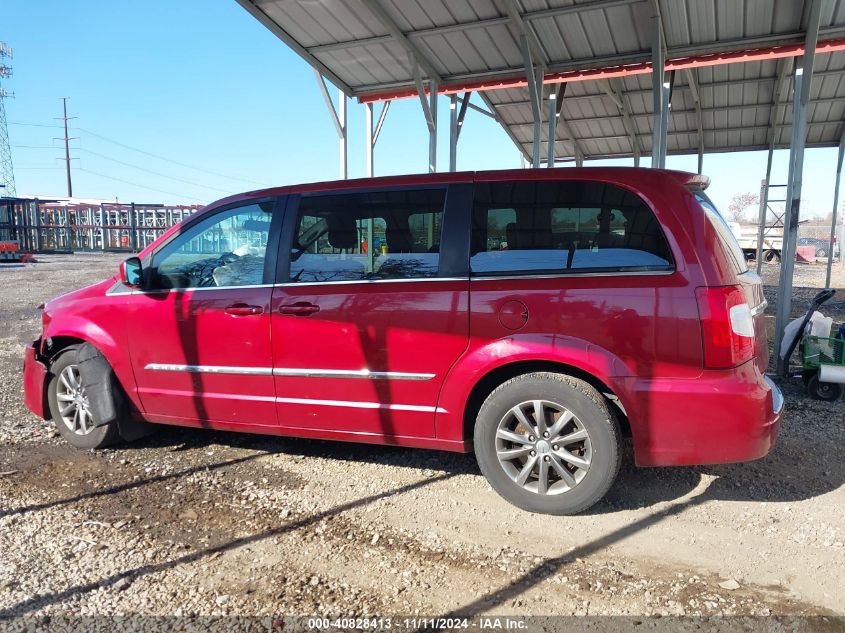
(453, 132)
(133, 228)
(841, 241)
(835, 209)
(803, 78)
(368, 139)
(371, 134)
(432, 128)
(103, 229)
(343, 149)
(657, 60)
(37, 218)
(456, 123)
(429, 108)
(338, 116)
(535, 91)
(668, 87)
(550, 155)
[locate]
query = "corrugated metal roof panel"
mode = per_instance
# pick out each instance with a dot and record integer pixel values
(471, 40)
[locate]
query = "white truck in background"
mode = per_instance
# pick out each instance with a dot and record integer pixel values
(747, 234)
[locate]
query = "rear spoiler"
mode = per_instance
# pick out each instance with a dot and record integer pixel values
(691, 181)
(698, 182)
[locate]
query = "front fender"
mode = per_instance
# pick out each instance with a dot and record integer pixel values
(477, 363)
(114, 350)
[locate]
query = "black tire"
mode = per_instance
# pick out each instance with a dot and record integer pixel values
(826, 391)
(591, 415)
(807, 374)
(821, 253)
(771, 256)
(97, 437)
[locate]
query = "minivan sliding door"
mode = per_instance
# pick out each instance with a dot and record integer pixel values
(373, 310)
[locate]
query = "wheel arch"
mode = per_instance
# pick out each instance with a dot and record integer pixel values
(59, 345)
(485, 385)
(78, 333)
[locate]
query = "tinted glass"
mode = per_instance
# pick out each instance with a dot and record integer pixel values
(225, 249)
(552, 227)
(723, 229)
(371, 235)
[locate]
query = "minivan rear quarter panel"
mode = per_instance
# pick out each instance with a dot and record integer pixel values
(639, 334)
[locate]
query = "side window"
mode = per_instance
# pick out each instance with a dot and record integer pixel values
(226, 249)
(559, 227)
(371, 235)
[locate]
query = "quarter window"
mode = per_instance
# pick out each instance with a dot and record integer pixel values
(225, 249)
(370, 235)
(723, 230)
(563, 227)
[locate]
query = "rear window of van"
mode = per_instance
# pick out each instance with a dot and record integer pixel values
(723, 230)
(564, 227)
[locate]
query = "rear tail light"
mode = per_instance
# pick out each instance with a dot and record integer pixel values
(727, 326)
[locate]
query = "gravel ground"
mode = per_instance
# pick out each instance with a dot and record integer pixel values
(197, 523)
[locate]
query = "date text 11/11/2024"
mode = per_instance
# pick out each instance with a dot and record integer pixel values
(418, 623)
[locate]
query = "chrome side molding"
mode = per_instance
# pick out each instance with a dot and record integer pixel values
(211, 369)
(364, 374)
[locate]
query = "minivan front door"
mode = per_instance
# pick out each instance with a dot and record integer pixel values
(374, 312)
(199, 335)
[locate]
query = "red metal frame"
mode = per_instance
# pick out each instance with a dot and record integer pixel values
(622, 70)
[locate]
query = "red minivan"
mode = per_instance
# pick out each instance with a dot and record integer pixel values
(536, 317)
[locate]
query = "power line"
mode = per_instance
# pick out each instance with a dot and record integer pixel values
(33, 124)
(135, 184)
(132, 165)
(150, 171)
(170, 160)
(134, 149)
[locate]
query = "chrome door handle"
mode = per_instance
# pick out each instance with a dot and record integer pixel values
(300, 308)
(243, 309)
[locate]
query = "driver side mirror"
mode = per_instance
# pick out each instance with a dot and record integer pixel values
(131, 272)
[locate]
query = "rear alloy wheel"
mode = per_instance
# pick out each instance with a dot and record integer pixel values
(71, 409)
(548, 443)
(821, 253)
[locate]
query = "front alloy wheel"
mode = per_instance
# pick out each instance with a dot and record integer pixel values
(74, 409)
(71, 409)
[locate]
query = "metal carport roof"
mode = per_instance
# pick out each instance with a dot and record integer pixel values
(733, 62)
(578, 79)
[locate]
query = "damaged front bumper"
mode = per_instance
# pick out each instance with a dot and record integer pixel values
(35, 376)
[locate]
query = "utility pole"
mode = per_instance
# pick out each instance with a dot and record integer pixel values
(67, 140)
(7, 173)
